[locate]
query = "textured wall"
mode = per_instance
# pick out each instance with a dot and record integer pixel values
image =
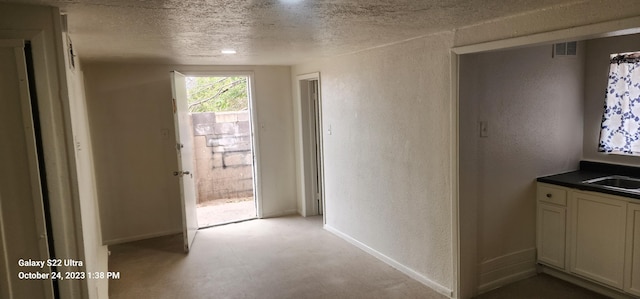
(597, 71)
(576, 21)
(533, 105)
(387, 159)
(133, 137)
(387, 162)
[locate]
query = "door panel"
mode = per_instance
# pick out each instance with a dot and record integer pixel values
(551, 234)
(184, 150)
(632, 262)
(22, 225)
(598, 238)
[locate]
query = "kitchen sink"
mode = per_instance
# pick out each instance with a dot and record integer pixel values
(618, 182)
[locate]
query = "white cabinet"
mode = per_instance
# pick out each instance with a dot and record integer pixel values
(551, 225)
(592, 235)
(597, 237)
(632, 259)
(551, 234)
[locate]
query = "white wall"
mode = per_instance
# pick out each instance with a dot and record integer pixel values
(533, 104)
(390, 161)
(597, 72)
(129, 106)
(387, 160)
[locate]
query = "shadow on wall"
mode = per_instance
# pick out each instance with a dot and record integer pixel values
(222, 155)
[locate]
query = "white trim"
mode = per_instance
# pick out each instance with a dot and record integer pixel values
(5, 272)
(455, 174)
(393, 263)
(142, 237)
(281, 213)
(598, 30)
(506, 269)
(307, 205)
(32, 156)
(308, 76)
(320, 129)
(505, 280)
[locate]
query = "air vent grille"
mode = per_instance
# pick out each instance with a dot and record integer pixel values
(565, 49)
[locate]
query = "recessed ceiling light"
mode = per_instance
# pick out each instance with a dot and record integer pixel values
(228, 51)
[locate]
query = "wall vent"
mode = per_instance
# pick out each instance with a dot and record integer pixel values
(565, 49)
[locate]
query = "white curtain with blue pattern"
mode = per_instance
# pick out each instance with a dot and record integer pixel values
(620, 130)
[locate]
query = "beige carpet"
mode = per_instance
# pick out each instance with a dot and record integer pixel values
(289, 257)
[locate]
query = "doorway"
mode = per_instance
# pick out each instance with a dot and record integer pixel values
(221, 123)
(470, 263)
(311, 131)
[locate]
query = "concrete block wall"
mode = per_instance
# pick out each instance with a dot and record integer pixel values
(223, 159)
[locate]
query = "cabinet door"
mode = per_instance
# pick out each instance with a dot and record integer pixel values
(632, 275)
(597, 233)
(551, 237)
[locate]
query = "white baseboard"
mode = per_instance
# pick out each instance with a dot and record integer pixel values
(506, 269)
(393, 263)
(280, 213)
(140, 237)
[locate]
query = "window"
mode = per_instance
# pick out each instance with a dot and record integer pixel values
(620, 130)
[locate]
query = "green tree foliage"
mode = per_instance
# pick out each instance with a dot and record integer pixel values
(217, 94)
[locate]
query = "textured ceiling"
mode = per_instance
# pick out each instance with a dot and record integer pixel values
(278, 32)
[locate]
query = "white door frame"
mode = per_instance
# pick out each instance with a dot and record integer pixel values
(627, 26)
(57, 142)
(308, 166)
(34, 172)
(253, 114)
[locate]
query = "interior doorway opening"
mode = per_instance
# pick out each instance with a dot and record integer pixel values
(221, 124)
(311, 158)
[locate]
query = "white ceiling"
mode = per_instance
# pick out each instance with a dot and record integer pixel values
(278, 32)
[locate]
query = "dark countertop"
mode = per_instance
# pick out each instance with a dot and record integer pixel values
(591, 170)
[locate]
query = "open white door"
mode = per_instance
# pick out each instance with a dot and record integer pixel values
(23, 232)
(184, 149)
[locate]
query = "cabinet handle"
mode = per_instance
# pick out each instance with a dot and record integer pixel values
(549, 195)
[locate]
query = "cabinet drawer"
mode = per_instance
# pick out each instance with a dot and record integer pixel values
(550, 194)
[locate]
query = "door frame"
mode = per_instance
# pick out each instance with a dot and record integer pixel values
(35, 173)
(253, 114)
(308, 163)
(58, 146)
(465, 284)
